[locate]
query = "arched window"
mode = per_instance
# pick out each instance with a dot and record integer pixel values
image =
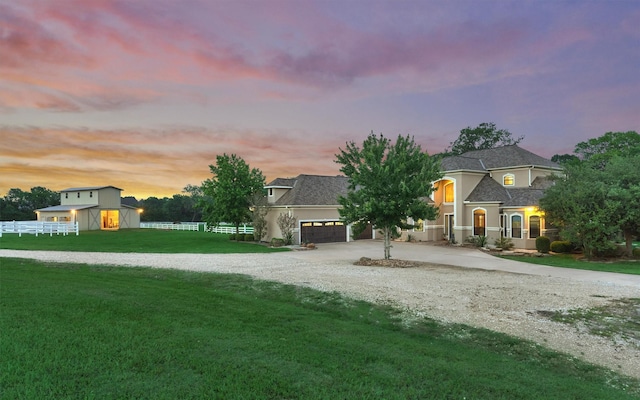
(534, 226)
(448, 193)
(479, 222)
(516, 226)
(508, 180)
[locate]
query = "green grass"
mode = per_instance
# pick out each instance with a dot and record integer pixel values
(568, 261)
(135, 241)
(72, 331)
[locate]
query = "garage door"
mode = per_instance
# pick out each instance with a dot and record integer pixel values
(323, 232)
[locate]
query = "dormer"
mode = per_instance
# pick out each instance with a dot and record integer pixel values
(277, 188)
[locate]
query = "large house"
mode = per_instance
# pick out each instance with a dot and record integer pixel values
(93, 208)
(493, 193)
(313, 200)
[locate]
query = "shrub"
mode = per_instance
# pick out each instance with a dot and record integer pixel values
(611, 252)
(636, 252)
(232, 236)
(277, 242)
(478, 241)
(543, 244)
(504, 243)
(561, 246)
(249, 237)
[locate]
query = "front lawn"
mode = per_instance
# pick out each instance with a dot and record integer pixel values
(98, 332)
(135, 241)
(569, 261)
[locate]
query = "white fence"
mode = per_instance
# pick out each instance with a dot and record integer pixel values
(187, 226)
(195, 226)
(230, 229)
(38, 228)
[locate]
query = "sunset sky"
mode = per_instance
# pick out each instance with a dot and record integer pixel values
(143, 94)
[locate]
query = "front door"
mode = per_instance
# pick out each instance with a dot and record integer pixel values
(448, 226)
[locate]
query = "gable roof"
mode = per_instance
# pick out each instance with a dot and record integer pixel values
(488, 190)
(82, 189)
(497, 158)
(66, 207)
(307, 190)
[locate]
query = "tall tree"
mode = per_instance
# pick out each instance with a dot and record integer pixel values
(622, 202)
(598, 196)
(197, 197)
(600, 150)
(388, 183)
(20, 205)
(231, 189)
(484, 136)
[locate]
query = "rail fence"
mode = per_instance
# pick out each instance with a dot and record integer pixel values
(38, 228)
(197, 226)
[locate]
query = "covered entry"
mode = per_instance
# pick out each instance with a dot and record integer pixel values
(323, 232)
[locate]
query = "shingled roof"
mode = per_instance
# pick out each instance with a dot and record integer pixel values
(488, 190)
(496, 158)
(307, 190)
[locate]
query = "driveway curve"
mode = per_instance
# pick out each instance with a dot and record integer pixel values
(455, 285)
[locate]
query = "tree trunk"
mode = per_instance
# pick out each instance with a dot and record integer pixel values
(237, 231)
(387, 243)
(628, 239)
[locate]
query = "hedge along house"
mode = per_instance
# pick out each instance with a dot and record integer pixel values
(492, 192)
(93, 208)
(313, 200)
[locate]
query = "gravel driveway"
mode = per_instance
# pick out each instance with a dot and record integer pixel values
(474, 288)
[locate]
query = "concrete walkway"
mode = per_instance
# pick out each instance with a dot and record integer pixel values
(456, 256)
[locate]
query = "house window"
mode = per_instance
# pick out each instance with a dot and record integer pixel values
(508, 180)
(534, 226)
(479, 222)
(448, 193)
(270, 191)
(66, 195)
(78, 194)
(516, 226)
(90, 194)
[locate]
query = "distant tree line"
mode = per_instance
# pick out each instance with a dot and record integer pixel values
(20, 205)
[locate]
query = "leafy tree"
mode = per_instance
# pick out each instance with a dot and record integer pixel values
(599, 195)
(601, 149)
(19, 205)
(259, 210)
(564, 158)
(231, 189)
(287, 223)
(154, 210)
(388, 183)
(622, 202)
(197, 197)
(179, 208)
(575, 204)
(484, 136)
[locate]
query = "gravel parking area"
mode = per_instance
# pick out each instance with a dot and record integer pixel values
(501, 301)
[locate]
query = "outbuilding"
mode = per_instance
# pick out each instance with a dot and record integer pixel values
(93, 208)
